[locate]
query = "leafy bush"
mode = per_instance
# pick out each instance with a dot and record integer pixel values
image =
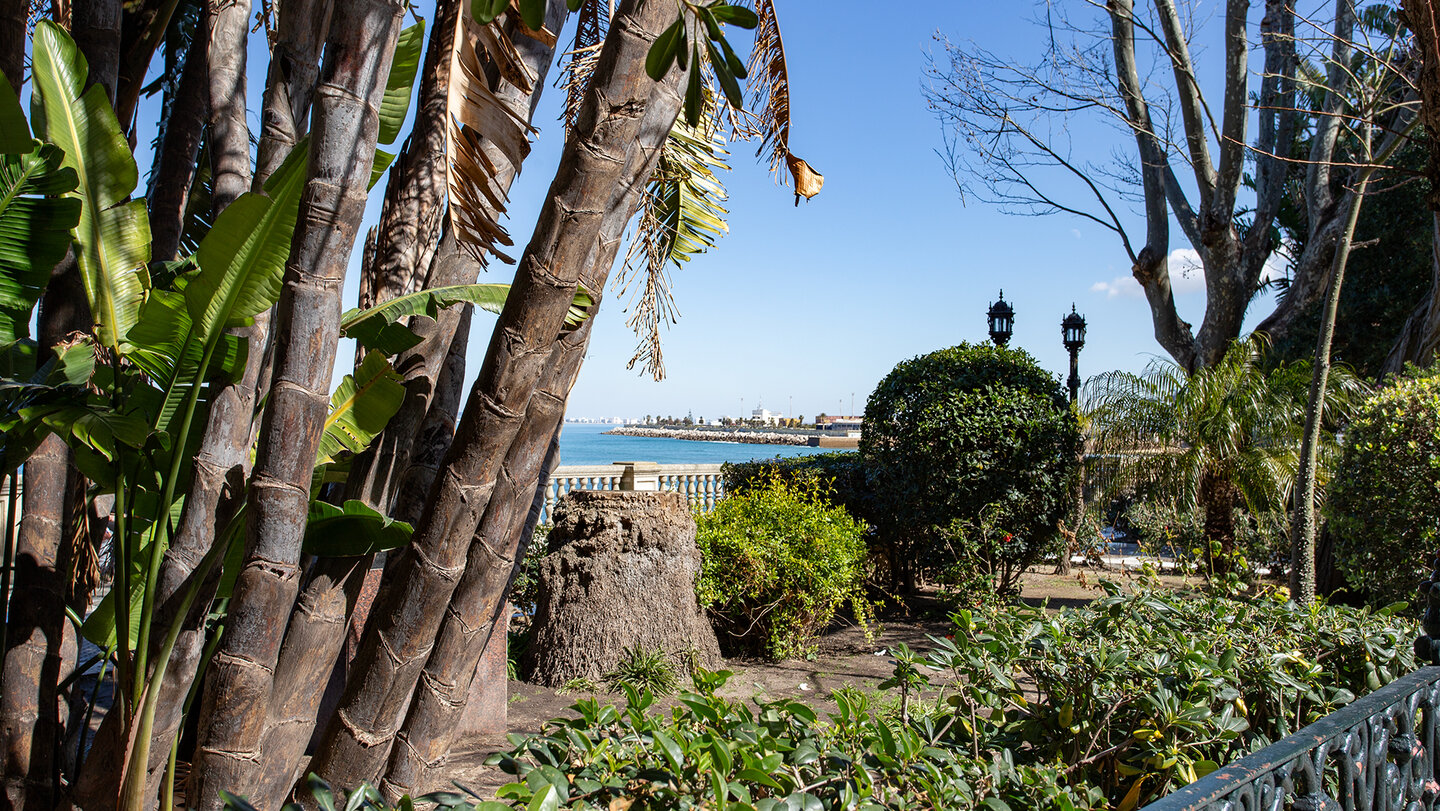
(778, 561)
(1163, 529)
(1145, 692)
(1384, 503)
(713, 752)
(1123, 702)
(840, 474)
(970, 452)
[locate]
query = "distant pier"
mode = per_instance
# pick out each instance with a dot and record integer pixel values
(755, 436)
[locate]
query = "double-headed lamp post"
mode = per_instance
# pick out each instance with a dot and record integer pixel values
(1072, 328)
(1002, 321)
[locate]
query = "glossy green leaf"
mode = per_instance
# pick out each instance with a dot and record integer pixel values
(726, 79)
(738, 16)
(113, 235)
(664, 49)
(486, 10)
(34, 231)
(695, 96)
(532, 13)
(360, 408)
(378, 327)
(403, 67)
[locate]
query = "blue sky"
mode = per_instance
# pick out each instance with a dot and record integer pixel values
(813, 305)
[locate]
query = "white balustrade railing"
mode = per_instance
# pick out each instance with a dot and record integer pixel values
(702, 485)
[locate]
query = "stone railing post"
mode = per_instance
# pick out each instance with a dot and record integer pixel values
(640, 476)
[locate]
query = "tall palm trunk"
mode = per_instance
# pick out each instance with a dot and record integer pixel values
(410, 605)
(358, 51)
(406, 252)
(14, 17)
(475, 613)
(222, 463)
(175, 161)
(227, 26)
(1217, 498)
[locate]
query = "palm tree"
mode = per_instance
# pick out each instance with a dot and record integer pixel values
(1223, 436)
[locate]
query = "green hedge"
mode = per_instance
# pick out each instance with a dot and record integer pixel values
(777, 561)
(840, 473)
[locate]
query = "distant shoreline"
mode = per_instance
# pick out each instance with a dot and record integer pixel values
(744, 435)
(796, 437)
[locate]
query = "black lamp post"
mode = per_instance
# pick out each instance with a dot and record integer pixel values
(1072, 328)
(1002, 321)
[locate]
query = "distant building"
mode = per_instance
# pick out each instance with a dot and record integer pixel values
(849, 426)
(766, 416)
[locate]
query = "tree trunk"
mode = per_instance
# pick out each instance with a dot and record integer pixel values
(14, 18)
(500, 542)
(29, 703)
(402, 254)
(358, 52)
(142, 32)
(1420, 336)
(409, 606)
(227, 25)
(95, 27)
(313, 643)
(1217, 499)
(175, 162)
(1302, 531)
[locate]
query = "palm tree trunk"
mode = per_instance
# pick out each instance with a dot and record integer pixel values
(1302, 531)
(238, 686)
(142, 32)
(95, 27)
(175, 163)
(29, 703)
(1217, 498)
(14, 17)
(222, 464)
(594, 165)
(313, 642)
(227, 25)
(409, 227)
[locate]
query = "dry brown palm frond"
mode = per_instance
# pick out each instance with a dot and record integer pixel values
(476, 118)
(769, 119)
(593, 22)
(681, 216)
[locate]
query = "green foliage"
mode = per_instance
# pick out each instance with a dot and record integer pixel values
(711, 752)
(1163, 530)
(964, 445)
(1142, 693)
(1121, 702)
(644, 670)
(839, 475)
(366, 798)
(1384, 506)
(777, 563)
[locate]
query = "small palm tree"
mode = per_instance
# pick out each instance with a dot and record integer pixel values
(1223, 436)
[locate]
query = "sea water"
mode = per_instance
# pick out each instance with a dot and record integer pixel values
(587, 444)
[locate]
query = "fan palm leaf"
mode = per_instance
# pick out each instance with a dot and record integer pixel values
(769, 79)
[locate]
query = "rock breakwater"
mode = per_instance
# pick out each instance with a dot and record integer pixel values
(751, 436)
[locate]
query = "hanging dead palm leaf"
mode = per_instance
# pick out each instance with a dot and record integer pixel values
(769, 116)
(477, 117)
(593, 22)
(681, 216)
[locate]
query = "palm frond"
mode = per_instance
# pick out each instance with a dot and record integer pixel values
(592, 23)
(478, 118)
(682, 215)
(769, 79)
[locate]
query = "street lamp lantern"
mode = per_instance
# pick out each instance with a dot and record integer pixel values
(1002, 321)
(1072, 330)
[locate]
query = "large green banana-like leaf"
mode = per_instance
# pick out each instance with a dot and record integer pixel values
(242, 258)
(34, 231)
(403, 67)
(113, 235)
(352, 530)
(378, 328)
(360, 408)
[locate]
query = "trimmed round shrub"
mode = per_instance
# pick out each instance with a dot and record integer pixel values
(840, 475)
(1384, 502)
(777, 561)
(970, 453)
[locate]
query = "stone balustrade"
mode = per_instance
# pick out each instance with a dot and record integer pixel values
(702, 485)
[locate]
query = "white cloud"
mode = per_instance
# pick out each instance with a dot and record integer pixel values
(1075, 232)
(1187, 276)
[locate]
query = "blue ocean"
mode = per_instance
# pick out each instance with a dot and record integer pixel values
(586, 444)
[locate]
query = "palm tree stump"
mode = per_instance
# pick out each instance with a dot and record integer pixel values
(620, 573)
